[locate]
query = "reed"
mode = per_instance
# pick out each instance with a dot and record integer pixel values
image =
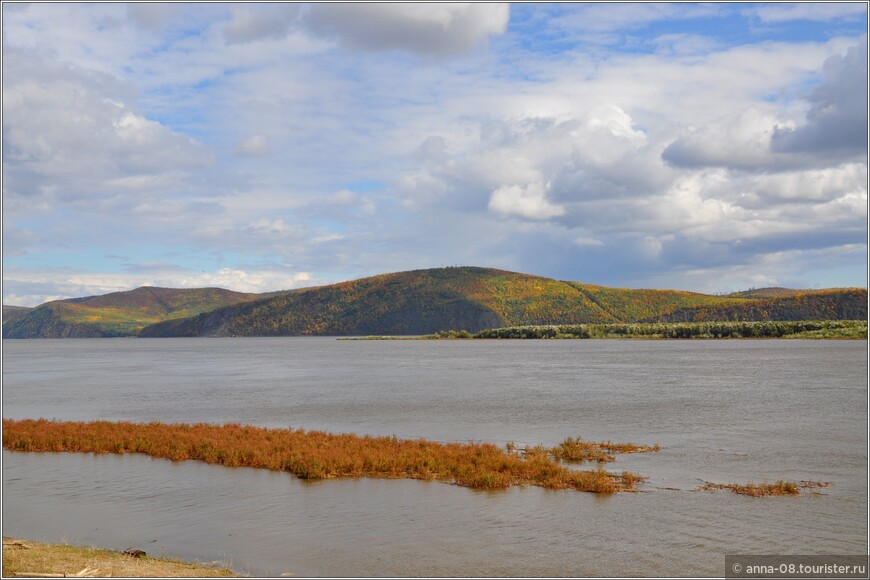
(314, 454)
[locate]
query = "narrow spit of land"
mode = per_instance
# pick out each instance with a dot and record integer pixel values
(318, 455)
(28, 559)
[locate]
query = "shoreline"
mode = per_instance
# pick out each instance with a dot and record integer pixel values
(707, 330)
(31, 559)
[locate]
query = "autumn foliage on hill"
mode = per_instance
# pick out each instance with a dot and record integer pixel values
(473, 299)
(118, 313)
(415, 302)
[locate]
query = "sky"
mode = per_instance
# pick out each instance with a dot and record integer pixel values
(259, 147)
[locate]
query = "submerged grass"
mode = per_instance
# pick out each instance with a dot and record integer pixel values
(779, 487)
(319, 455)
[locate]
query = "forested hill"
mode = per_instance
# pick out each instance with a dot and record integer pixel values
(426, 301)
(407, 303)
(118, 313)
(10, 313)
(832, 304)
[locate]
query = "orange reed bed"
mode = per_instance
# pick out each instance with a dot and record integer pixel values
(314, 454)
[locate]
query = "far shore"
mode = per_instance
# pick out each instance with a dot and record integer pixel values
(712, 330)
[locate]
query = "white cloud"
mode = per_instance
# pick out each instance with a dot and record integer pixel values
(68, 136)
(740, 140)
(248, 281)
(34, 287)
(819, 185)
(529, 201)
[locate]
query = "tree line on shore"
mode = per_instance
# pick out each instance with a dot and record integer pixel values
(854, 329)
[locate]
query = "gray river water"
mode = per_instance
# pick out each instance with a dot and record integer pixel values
(723, 411)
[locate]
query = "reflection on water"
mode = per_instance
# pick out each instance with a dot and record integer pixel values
(724, 411)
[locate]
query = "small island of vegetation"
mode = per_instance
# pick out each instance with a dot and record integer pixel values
(319, 455)
(316, 455)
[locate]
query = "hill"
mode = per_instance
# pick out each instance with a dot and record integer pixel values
(427, 301)
(408, 303)
(118, 313)
(830, 304)
(11, 313)
(775, 292)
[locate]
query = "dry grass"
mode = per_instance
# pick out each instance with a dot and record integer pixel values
(765, 489)
(315, 454)
(26, 558)
(575, 449)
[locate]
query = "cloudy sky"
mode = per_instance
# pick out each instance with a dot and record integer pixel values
(710, 147)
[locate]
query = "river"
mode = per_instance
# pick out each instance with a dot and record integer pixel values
(723, 411)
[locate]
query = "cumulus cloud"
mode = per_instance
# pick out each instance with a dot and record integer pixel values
(738, 140)
(808, 185)
(536, 167)
(69, 136)
(440, 29)
(837, 118)
(758, 138)
(529, 201)
(762, 138)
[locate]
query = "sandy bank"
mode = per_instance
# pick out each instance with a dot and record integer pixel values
(24, 558)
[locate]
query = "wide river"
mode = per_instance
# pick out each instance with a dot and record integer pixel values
(723, 411)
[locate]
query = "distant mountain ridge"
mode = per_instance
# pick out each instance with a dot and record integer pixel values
(414, 302)
(117, 313)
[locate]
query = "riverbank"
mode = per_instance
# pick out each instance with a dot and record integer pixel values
(27, 559)
(794, 329)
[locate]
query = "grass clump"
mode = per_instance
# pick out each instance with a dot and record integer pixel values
(315, 454)
(576, 450)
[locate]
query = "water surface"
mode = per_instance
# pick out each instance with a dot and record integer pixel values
(723, 411)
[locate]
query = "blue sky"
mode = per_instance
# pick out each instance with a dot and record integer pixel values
(258, 147)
